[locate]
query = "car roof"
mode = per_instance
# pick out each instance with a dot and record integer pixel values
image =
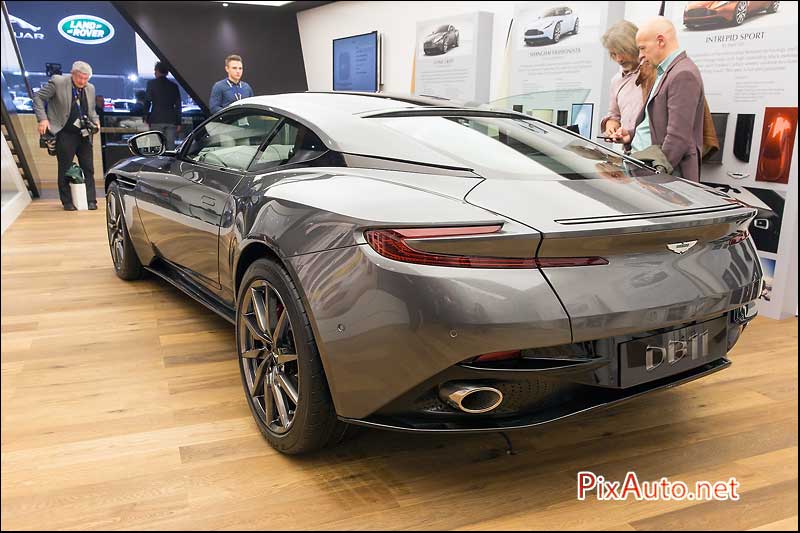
(340, 120)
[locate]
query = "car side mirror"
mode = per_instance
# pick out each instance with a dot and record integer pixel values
(148, 144)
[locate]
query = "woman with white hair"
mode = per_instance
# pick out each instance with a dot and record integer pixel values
(71, 117)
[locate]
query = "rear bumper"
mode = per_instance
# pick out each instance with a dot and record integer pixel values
(580, 404)
(389, 331)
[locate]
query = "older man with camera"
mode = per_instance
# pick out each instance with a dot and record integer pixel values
(71, 117)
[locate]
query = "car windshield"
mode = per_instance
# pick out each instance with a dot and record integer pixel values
(515, 148)
(441, 29)
(550, 13)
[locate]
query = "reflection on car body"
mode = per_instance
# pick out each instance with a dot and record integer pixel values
(467, 271)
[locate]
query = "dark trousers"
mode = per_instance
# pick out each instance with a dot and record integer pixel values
(70, 143)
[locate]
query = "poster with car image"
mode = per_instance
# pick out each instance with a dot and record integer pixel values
(555, 47)
(453, 57)
(747, 55)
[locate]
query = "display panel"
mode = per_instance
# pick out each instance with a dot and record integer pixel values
(720, 121)
(582, 117)
(355, 63)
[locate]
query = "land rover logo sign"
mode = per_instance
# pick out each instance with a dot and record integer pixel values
(86, 29)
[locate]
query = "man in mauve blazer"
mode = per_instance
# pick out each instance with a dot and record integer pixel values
(673, 115)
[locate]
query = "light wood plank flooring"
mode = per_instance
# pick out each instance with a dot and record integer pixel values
(122, 409)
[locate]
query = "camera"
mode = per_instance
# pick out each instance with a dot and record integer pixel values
(48, 140)
(88, 127)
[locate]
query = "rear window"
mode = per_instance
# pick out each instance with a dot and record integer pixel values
(511, 148)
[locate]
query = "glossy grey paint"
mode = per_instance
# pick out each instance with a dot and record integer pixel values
(645, 285)
(181, 206)
(383, 327)
(302, 213)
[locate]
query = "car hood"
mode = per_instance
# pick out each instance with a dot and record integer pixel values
(707, 5)
(540, 24)
(435, 37)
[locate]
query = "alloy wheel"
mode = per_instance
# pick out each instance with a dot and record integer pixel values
(741, 12)
(116, 237)
(269, 356)
(557, 33)
(575, 29)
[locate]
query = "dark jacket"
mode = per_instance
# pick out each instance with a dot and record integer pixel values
(224, 93)
(676, 113)
(646, 78)
(165, 99)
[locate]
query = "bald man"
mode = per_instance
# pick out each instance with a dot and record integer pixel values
(673, 115)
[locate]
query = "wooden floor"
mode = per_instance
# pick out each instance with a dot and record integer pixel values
(122, 409)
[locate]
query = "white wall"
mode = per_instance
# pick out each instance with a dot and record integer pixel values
(397, 22)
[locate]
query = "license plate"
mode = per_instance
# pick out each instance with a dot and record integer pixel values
(659, 356)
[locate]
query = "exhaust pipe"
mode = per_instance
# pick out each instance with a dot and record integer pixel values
(470, 398)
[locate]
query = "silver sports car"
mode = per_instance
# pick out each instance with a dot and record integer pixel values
(408, 264)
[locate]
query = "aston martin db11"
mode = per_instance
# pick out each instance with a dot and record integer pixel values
(409, 264)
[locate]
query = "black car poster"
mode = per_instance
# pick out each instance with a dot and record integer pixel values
(453, 57)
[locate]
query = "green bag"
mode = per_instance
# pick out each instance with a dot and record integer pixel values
(75, 174)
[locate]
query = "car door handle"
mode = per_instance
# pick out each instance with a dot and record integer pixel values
(207, 200)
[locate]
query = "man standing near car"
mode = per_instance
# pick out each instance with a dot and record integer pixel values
(162, 105)
(232, 88)
(74, 121)
(672, 117)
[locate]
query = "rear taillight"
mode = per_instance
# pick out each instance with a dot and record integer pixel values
(739, 236)
(393, 244)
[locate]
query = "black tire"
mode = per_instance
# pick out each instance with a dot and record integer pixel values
(575, 28)
(557, 32)
(773, 7)
(123, 255)
(314, 424)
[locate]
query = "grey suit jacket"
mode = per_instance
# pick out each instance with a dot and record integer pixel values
(676, 116)
(57, 92)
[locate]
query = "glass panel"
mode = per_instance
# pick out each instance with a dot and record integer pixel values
(508, 148)
(280, 148)
(293, 144)
(149, 144)
(232, 139)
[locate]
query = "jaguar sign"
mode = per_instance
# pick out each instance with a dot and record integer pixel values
(86, 29)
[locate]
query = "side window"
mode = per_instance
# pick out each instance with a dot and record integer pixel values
(232, 139)
(292, 143)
